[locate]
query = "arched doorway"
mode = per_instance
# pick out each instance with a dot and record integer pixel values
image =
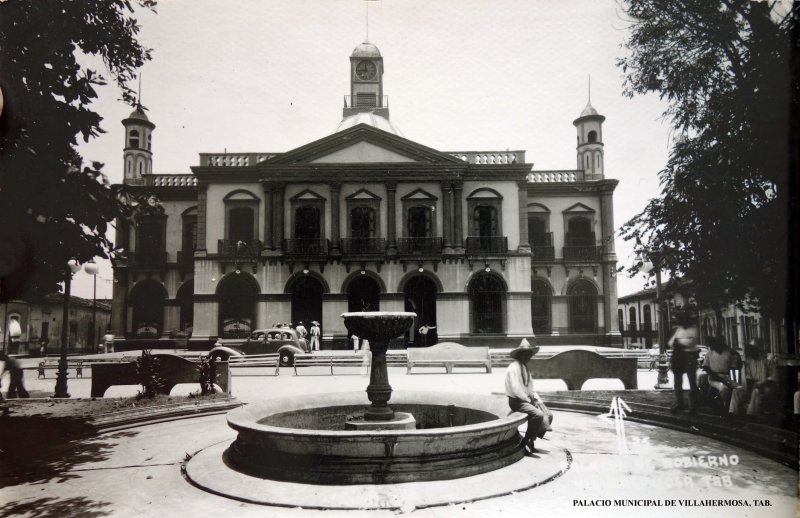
(420, 297)
(306, 301)
(186, 303)
(363, 294)
(487, 296)
(147, 301)
(582, 299)
(237, 294)
(647, 326)
(541, 296)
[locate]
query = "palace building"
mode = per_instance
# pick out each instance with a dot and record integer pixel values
(477, 243)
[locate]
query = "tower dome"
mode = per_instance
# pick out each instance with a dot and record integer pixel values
(366, 50)
(138, 148)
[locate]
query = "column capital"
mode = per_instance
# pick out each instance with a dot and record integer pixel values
(391, 186)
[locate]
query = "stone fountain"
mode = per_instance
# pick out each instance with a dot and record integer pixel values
(428, 436)
(379, 328)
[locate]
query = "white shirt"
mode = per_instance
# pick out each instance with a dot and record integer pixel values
(301, 330)
(519, 383)
(684, 338)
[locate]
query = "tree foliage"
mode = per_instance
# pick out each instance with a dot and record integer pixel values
(722, 217)
(54, 205)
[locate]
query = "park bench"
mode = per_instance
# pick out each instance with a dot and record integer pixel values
(575, 367)
(449, 354)
(172, 368)
(257, 360)
(328, 360)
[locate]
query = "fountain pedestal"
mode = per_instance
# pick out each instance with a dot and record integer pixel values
(379, 327)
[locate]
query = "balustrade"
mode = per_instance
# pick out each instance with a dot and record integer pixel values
(233, 159)
(490, 157)
(581, 253)
(567, 176)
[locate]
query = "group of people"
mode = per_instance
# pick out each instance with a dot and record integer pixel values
(712, 379)
(312, 334)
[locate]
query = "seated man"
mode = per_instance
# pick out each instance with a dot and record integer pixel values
(762, 387)
(716, 368)
(523, 398)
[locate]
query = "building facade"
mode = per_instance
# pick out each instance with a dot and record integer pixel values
(477, 243)
(40, 323)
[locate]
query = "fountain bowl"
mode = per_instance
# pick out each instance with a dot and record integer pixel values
(303, 439)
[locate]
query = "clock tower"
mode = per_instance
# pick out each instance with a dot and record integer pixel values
(366, 82)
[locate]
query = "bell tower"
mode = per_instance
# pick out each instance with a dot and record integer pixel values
(137, 152)
(366, 82)
(590, 142)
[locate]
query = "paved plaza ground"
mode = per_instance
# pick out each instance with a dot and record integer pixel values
(137, 472)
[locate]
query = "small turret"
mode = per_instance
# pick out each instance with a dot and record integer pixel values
(137, 151)
(590, 142)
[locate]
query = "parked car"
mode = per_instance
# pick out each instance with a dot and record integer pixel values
(283, 341)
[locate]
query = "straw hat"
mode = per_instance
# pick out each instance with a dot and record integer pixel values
(314, 322)
(524, 346)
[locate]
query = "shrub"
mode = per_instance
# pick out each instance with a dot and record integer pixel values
(148, 376)
(208, 375)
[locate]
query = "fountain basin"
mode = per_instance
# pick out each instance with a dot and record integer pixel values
(303, 439)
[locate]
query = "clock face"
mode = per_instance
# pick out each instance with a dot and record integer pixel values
(366, 70)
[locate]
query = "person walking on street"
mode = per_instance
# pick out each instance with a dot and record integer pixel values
(16, 387)
(684, 361)
(315, 335)
(523, 398)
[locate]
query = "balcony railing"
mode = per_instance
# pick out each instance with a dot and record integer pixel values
(487, 245)
(233, 159)
(364, 245)
(239, 249)
(148, 260)
(305, 246)
(490, 157)
(581, 253)
(419, 245)
(566, 176)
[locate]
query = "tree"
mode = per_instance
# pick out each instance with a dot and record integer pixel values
(723, 217)
(53, 206)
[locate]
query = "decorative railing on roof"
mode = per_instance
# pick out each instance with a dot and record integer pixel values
(173, 180)
(490, 157)
(233, 159)
(569, 175)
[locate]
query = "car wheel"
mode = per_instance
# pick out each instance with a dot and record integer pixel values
(287, 359)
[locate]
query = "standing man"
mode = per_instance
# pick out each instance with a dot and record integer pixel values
(523, 398)
(315, 335)
(684, 360)
(423, 333)
(301, 330)
(16, 387)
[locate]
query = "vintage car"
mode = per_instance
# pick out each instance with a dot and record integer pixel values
(282, 340)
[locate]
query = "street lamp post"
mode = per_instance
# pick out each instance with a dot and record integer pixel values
(73, 267)
(662, 381)
(91, 268)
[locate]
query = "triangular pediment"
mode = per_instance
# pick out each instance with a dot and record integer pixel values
(307, 195)
(419, 194)
(364, 144)
(578, 208)
(364, 194)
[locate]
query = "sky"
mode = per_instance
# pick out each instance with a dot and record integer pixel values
(247, 76)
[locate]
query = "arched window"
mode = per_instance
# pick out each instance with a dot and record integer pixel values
(241, 224)
(592, 136)
(140, 168)
(647, 319)
(133, 138)
(237, 294)
(147, 301)
(582, 301)
(185, 301)
(540, 306)
(487, 295)
(149, 141)
(632, 322)
(621, 319)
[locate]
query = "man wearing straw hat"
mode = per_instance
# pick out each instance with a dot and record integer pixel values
(522, 397)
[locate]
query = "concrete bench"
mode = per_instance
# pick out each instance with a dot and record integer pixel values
(575, 367)
(172, 369)
(257, 360)
(449, 354)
